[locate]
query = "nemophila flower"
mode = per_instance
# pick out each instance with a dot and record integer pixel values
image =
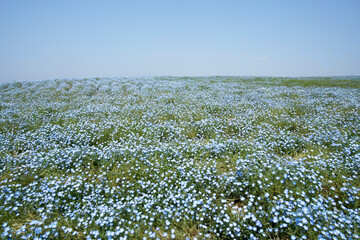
(275, 219)
(38, 230)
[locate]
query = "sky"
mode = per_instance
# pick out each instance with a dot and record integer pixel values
(76, 39)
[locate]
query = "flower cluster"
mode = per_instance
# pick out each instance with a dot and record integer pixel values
(179, 158)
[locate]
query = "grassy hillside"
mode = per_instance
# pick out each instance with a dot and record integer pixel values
(180, 158)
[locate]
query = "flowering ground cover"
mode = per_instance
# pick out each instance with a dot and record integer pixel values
(180, 158)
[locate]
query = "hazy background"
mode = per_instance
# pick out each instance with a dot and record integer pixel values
(72, 39)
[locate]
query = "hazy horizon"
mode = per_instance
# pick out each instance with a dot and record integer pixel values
(83, 39)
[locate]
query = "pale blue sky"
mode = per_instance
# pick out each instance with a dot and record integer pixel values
(73, 39)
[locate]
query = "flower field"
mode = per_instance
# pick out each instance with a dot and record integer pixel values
(180, 158)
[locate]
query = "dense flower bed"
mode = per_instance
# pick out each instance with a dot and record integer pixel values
(180, 158)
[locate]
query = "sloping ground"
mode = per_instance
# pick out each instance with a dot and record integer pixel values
(167, 157)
